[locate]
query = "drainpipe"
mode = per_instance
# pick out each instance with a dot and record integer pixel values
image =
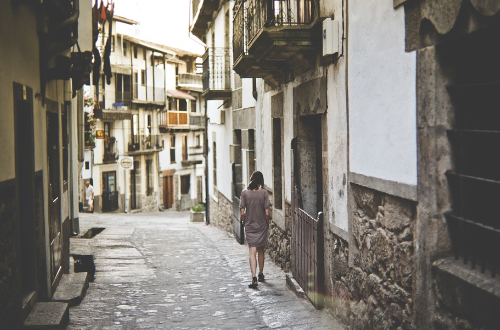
(205, 153)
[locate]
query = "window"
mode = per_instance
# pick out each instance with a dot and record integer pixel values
(125, 48)
(149, 177)
(147, 120)
(184, 147)
(135, 51)
(197, 139)
(182, 104)
(185, 184)
(172, 148)
(143, 77)
(193, 106)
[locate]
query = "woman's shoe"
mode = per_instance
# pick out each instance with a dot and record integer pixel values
(261, 277)
(254, 283)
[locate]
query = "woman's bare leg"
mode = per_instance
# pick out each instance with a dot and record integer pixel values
(260, 251)
(252, 251)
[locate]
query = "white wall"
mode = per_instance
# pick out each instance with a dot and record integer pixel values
(382, 93)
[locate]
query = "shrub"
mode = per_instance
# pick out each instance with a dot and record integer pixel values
(198, 208)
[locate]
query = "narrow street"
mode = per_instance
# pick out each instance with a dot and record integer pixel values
(161, 271)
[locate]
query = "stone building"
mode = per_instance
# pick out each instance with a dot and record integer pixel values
(45, 59)
(373, 125)
(148, 111)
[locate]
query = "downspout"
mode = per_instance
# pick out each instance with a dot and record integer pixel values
(205, 154)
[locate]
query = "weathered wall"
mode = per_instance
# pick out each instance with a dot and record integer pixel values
(379, 285)
(382, 93)
(221, 212)
(279, 241)
(10, 284)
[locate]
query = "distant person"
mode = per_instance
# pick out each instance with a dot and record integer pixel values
(89, 195)
(254, 210)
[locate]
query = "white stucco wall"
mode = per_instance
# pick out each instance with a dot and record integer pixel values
(382, 93)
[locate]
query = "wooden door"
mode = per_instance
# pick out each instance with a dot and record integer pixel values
(168, 191)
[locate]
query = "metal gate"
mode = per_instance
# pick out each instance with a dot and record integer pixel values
(307, 247)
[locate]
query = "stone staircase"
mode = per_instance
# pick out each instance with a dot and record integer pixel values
(54, 315)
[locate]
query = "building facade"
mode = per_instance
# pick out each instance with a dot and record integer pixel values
(148, 102)
(42, 73)
(356, 114)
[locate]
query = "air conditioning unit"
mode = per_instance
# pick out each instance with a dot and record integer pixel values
(330, 37)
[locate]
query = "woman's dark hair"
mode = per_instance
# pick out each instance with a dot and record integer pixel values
(256, 180)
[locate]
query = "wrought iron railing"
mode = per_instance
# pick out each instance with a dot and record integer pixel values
(196, 120)
(145, 142)
(251, 16)
(307, 244)
(216, 69)
(239, 35)
(123, 97)
(189, 79)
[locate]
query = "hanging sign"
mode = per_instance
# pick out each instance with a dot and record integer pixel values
(126, 162)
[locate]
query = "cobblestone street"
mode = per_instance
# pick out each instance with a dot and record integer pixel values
(161, 271)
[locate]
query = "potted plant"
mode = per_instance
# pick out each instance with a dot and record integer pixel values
(197, 213)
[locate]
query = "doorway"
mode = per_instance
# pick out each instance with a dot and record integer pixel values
(25, 169)
(109, 193)
(168, 191)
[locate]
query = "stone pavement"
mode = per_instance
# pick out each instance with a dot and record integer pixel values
(161, 271)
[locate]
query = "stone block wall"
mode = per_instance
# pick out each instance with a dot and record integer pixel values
(221, 212)
(278, 246)
(280, 235)
(379, 282)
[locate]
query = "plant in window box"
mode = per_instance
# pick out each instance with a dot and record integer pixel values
(197, 213)
(110, 156)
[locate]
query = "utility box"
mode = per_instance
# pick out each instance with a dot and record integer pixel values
(330, 37)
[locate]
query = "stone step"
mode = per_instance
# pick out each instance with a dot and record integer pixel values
(48, 316)
(72, 288)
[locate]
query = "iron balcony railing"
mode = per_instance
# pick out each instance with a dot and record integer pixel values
(144, 142)
(148, 93)
(196, 120)
(216, 69)
(240, 31)
(251, 16)
(189, 80)
(123, 97)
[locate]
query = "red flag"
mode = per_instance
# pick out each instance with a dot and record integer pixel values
(102, 10)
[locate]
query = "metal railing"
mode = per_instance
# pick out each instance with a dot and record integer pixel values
(216, 69)
(251, 16)
(307, 246)
(239, 28)
(196, 120)
(189, 79)
(123, 97)
(144, 142)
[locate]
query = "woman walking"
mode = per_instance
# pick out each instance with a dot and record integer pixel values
(254, 210)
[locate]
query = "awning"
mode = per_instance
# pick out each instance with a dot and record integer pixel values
(179, 94)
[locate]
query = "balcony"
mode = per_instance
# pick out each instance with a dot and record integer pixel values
(123, 97)
(189, 81)
(216, 73)
(169, 119)
(148, 94)
(110, 153)
(271, 37)
(140, 144)
(202, 15)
